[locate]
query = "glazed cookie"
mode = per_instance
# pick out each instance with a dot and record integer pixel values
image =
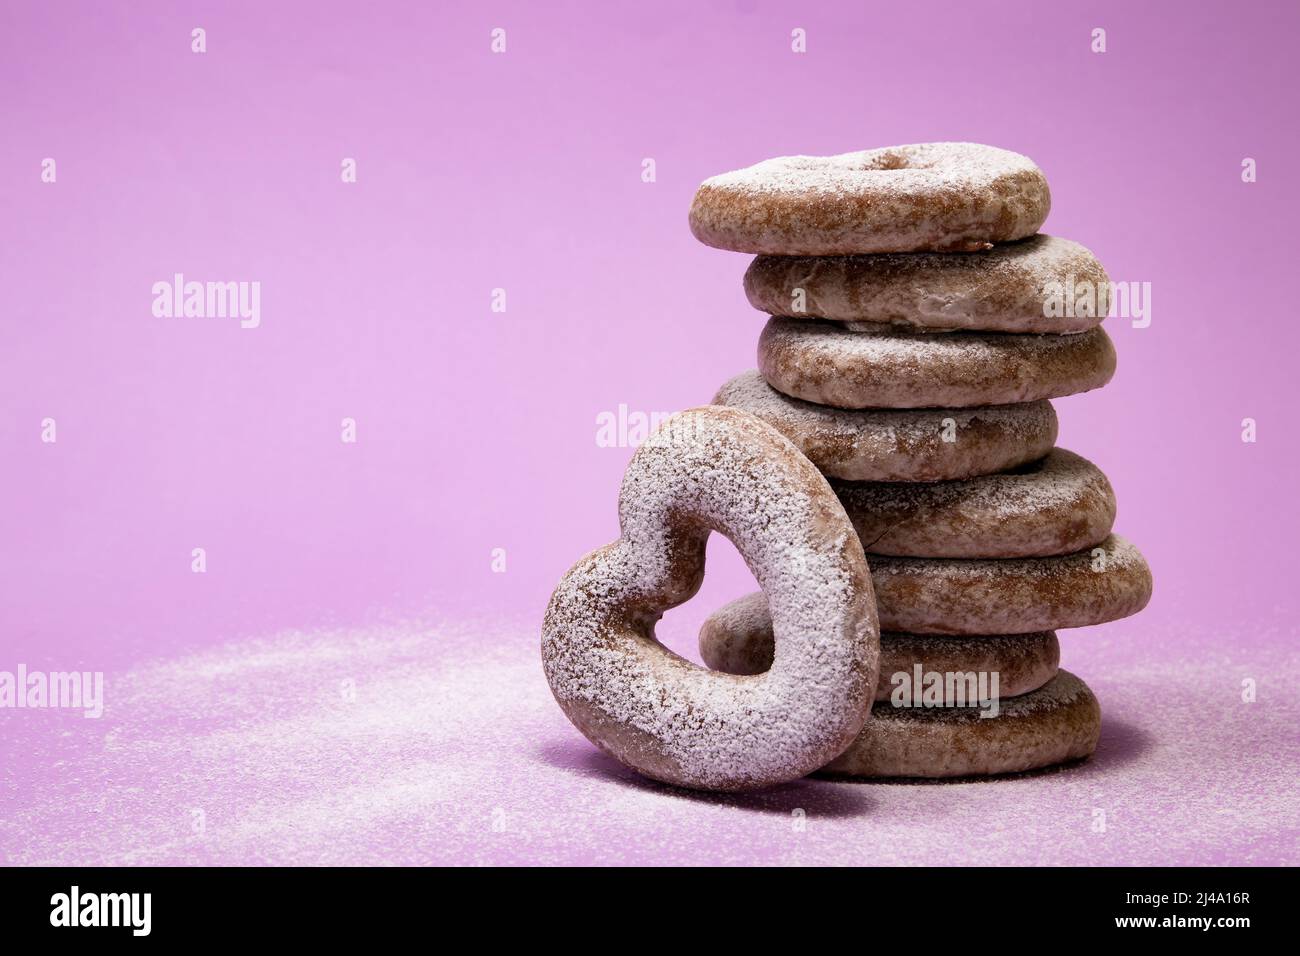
(826, 363)
(900, 445)
(955, 197)
(1059, 722)
(737, 639)
(1018, 287)
(1059, 504)
(718, 469)
(1014, 595)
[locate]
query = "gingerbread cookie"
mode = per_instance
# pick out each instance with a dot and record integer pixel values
(1013, 595)
(1059, 722)
(956, 197)
(900, 445)
(721, 469)
(1017, 287)
(1059, 504)
(955, 596)
(737, 639)
(828, 364)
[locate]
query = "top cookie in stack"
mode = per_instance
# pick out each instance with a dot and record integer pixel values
(931, 197)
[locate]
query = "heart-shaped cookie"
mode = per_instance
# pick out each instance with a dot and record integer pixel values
(718, 469)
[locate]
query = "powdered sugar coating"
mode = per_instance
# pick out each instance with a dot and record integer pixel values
(900, 444)
(921, 197)
(737, 639)
(1012, 595)
(828, 364)
(718, 469)
(1056, 505)
(1002, 290)
(1060, 721)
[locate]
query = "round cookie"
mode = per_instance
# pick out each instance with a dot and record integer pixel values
(891, 445)
(957, 197)
(1012, 595)
(718, 469)
(1017, 287)
(1059, 504)
(1057, 723)
(828, 364)
(737, 639)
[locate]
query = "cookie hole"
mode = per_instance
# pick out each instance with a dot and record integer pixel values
(726, 577)
(890, 161)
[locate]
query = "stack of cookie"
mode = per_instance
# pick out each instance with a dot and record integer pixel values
(919, 326)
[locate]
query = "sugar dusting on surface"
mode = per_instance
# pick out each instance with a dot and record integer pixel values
(454, 751)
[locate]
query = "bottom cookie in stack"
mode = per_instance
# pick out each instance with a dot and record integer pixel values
(1059, 722)
(945, 706)
(953, 701)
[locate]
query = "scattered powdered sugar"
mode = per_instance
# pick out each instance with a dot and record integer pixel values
(718, 468)
(293, 748)
(451, 751)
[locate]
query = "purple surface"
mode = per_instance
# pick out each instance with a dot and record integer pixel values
(450, 750)
(477, 430)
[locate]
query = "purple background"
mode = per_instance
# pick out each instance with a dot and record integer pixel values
(477, 429)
